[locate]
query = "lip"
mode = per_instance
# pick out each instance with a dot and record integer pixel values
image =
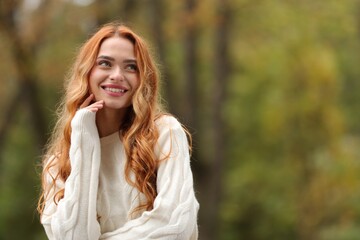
(114, 86)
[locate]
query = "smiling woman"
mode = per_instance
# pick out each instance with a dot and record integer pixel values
(117, 165)
(114, 78)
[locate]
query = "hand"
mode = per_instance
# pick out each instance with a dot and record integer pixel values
(94, 107)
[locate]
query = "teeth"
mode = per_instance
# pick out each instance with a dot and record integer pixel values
(114, 90)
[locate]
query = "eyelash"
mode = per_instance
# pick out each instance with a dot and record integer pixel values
(107, 63)
(130, 67)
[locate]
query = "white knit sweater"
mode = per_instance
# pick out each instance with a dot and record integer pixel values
(98, 201)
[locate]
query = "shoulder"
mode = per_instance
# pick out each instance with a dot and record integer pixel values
(170, 129)
(172, 139)
(166, 122)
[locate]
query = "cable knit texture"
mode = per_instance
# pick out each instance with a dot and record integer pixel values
(98, 202)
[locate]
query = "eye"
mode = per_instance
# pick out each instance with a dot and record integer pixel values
(104, 63)
(131, 67)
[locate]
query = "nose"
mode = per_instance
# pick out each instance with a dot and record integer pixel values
(117, 75)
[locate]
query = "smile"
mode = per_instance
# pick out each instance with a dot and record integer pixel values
(114, 90)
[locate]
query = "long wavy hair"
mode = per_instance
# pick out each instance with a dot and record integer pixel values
(139, 133)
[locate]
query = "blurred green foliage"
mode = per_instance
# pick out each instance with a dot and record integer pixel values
(291, 108)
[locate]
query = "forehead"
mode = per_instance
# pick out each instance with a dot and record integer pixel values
(117, 47)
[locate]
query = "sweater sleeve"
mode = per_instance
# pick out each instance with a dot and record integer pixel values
(74, 217)
(174, 214)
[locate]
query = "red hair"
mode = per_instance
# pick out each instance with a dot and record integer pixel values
(139, 133)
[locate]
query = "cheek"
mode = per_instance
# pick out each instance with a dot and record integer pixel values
(93, 80)
(137, 85)
(91, 84)
(136, 82)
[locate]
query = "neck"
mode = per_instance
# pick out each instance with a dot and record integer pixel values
(108, 121)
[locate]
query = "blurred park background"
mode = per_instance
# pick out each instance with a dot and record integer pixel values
(269, 89)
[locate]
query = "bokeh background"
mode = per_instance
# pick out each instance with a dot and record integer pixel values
(269, 89)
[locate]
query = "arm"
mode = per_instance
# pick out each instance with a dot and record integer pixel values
(75, 215)
(174, 215)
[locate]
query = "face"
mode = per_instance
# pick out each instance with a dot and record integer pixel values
(114, 78)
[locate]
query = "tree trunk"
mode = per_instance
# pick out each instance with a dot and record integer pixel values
(221, 72)
(23, 56)
(191, 78)
(157, 13)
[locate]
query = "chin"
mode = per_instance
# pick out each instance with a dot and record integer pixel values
(116, 106)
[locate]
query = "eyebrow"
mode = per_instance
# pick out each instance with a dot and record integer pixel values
(106, 57)
(130, 61)
(113, 59)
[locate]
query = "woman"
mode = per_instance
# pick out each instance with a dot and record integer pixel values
(117, 167)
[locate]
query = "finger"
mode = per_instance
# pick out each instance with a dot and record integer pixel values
(95, 106)
(87, 101)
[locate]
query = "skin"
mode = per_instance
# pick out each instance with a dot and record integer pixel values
(113, 81)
